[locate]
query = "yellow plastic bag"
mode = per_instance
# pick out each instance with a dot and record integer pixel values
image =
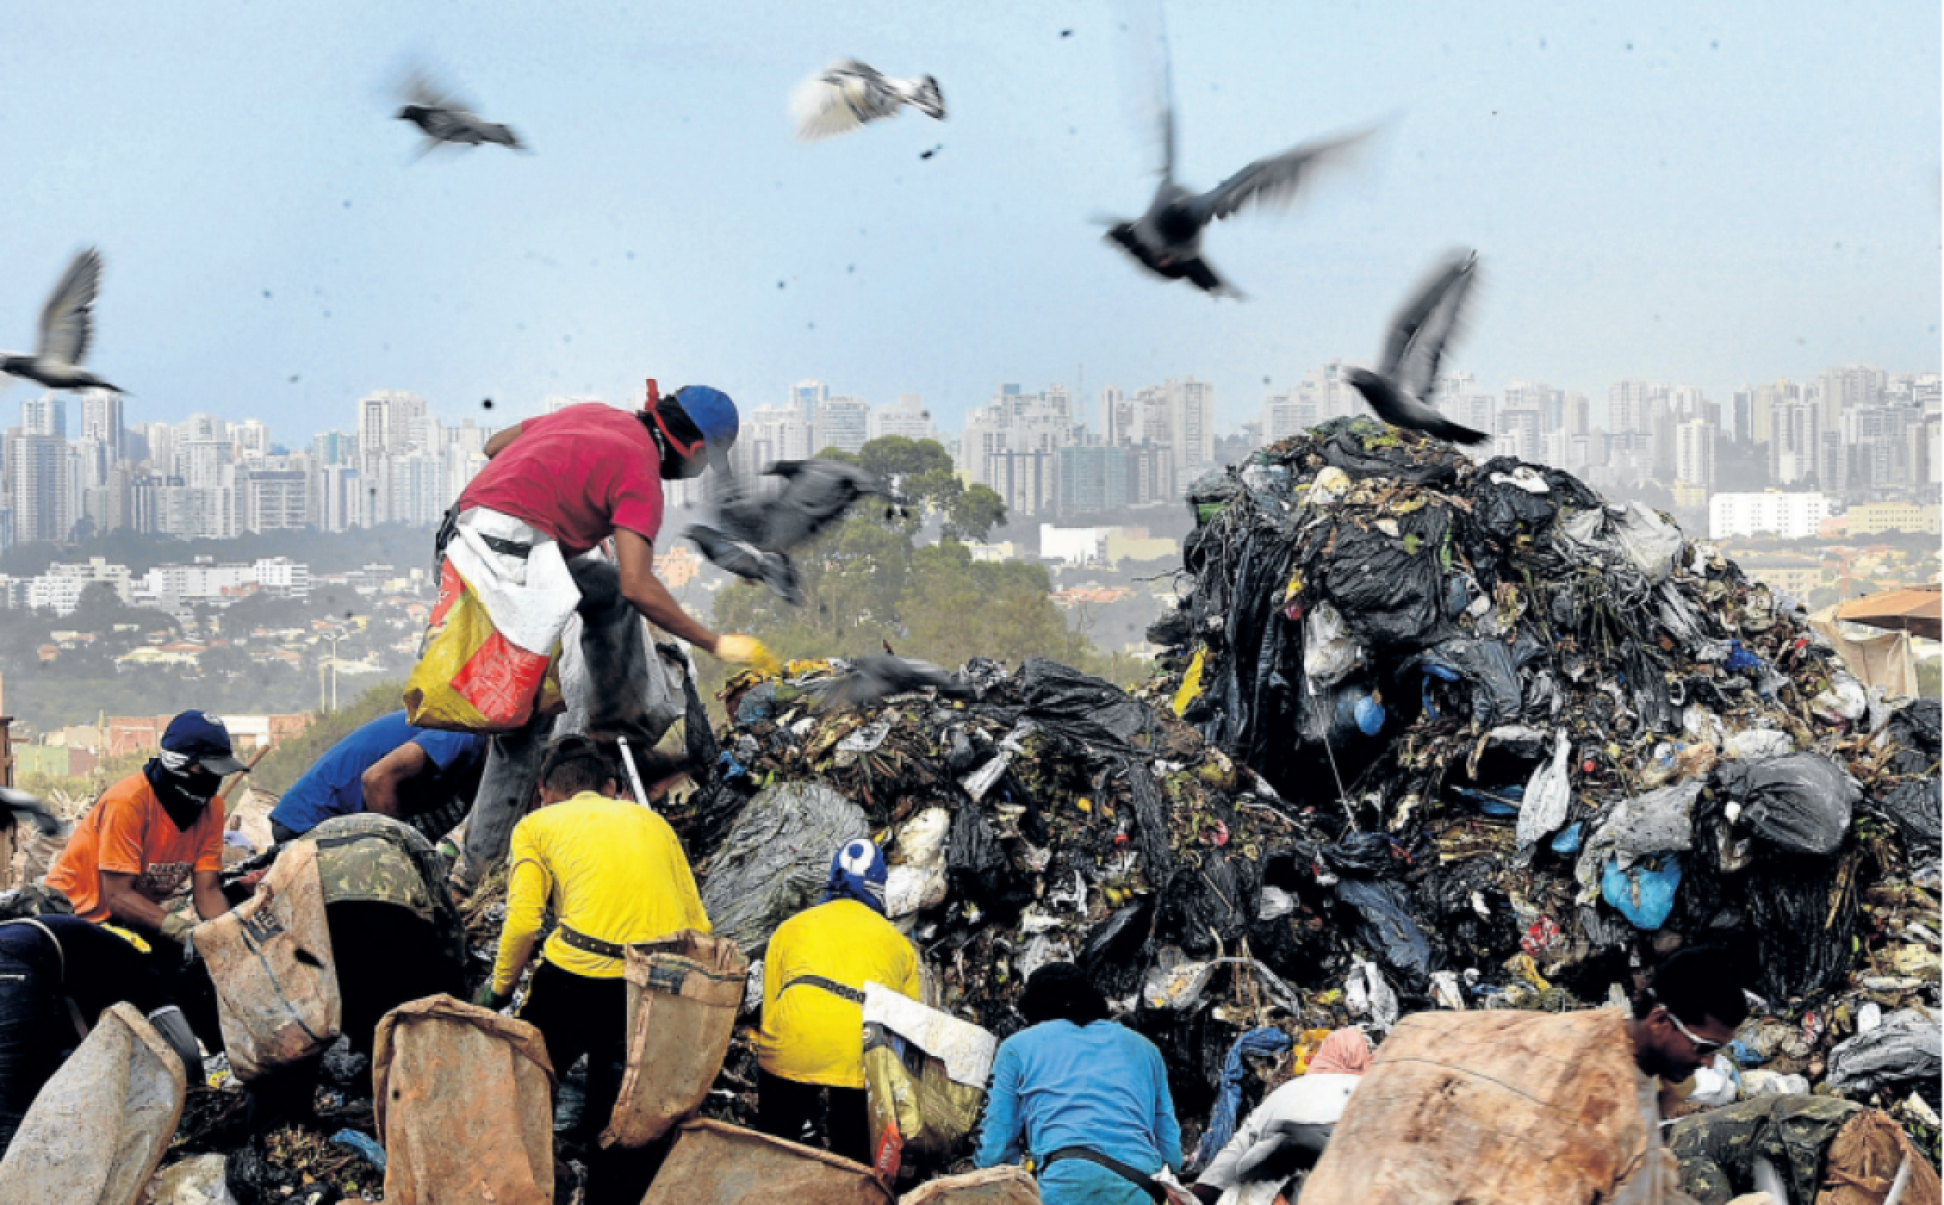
(470, 678)
(925, 1074)
(1191, 684)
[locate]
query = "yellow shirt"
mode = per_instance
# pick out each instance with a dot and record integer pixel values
(811, 1035)
(612, 870)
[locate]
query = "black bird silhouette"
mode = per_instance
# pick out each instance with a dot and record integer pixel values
(447, 121)
(1417, 341)
(755, 530)
(66, 330)
(1166, 240)
(23, 806)
(876, 677)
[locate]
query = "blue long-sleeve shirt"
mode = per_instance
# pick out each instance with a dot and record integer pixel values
(1100, 1086)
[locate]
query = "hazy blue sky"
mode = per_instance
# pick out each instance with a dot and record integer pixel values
(1704, 193)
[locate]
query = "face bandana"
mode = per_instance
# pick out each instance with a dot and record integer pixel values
(857, 872)
(183, 787)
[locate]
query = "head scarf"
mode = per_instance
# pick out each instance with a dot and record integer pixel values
(1345, 1052)
(1060, 991)
(857, 872)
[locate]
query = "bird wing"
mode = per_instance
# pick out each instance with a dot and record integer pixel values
(23, 805)
(1149, 78)
(1276, 179)
(821, 108)
(1427, 324)
(67, 322)
(422, 89)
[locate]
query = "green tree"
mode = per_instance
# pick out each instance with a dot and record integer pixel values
(974, 513)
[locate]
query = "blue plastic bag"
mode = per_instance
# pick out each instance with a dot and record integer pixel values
(1643, 893)
(1568, 840)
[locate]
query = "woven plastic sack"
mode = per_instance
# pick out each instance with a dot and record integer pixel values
(463, 1098)
(683, 996)
(1491, 1108)
(275, 975)
(717, 1164)
(470, 677)
(1871, 1153)
(925, 1074)
(1004, 1185)
(97, 1130)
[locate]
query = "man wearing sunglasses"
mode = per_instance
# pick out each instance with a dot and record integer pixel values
(576, 478)
(1687, 1012)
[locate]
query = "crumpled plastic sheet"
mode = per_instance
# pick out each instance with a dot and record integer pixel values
(1906, 1049)
(1547, 795)
(775, 860)
(1657, 822)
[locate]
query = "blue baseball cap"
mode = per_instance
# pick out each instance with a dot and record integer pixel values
(197, 736)
(714, 414)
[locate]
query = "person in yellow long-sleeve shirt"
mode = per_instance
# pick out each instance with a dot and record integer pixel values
(614, 874)
(814, 973)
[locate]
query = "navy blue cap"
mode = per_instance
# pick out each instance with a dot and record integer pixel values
(197, 736)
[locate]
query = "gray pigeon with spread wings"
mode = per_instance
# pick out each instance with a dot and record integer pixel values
(1418, 338)
(66, 330)
(850, 95)
(1166, 240)
(447, 121)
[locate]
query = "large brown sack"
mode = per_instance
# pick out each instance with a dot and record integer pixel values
(1862, 1164)
(463, 1098)
(271, 960)
(1490, 1108)
(683, 995)
(717, 1164)
(1006, 1185)
(97, 1130)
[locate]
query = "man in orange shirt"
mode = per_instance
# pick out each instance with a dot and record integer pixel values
(143, 838)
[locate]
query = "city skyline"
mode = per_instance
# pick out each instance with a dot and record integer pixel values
(1716, 195)
(1856, 431)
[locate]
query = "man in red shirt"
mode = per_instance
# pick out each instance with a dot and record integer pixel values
(146, 836)
(577, 477)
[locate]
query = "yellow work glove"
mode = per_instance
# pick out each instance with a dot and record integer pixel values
(749, 651)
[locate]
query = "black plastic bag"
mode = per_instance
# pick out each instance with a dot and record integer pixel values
(1912, 802)
(1385, 927)
(1389, 589)
(978, 867)
(1112, 955)
(1803, 936)
(1082, 707)
(1172, 630)
(1420, 464)
(1363, 855)
(1207, 907)
(1800, 803)
(1502, 510)
(1490, 668)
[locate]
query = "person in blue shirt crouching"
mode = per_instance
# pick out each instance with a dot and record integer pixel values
(1087, 1096)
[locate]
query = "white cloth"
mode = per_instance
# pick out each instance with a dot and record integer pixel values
(529, 598)
(1305, 1100)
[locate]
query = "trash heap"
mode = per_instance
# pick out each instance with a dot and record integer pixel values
(1552, 739)
(1426, 734)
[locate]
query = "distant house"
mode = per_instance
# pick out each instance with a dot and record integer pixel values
(48, 652)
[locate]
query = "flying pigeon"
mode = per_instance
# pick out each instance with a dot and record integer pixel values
(1166, 240)
(447, 121)
(874, 677)
(22, 806)
(1417, 342)
(851, 95)
(66, 329)
(755, 531)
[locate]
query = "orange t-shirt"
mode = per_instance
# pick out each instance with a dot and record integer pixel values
(127, 832)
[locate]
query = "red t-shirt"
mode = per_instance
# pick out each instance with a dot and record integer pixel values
(576, 474)
(127, 832)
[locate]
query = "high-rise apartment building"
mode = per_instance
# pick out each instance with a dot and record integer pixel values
(1695, 452)
(44, 415)
(101, 421)
(843, 423)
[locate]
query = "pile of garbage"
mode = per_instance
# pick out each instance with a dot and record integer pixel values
(1427, 734)
(1551, 739)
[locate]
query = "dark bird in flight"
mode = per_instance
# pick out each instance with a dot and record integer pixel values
(447, 121)
(851, 95)
(873, 678)
(66, 329)
(23, 806)
(1166, 240)
(1417, 341)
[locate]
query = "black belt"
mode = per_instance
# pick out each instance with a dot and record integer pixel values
(592, 945)
(830, 985)
(1125, 1171)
